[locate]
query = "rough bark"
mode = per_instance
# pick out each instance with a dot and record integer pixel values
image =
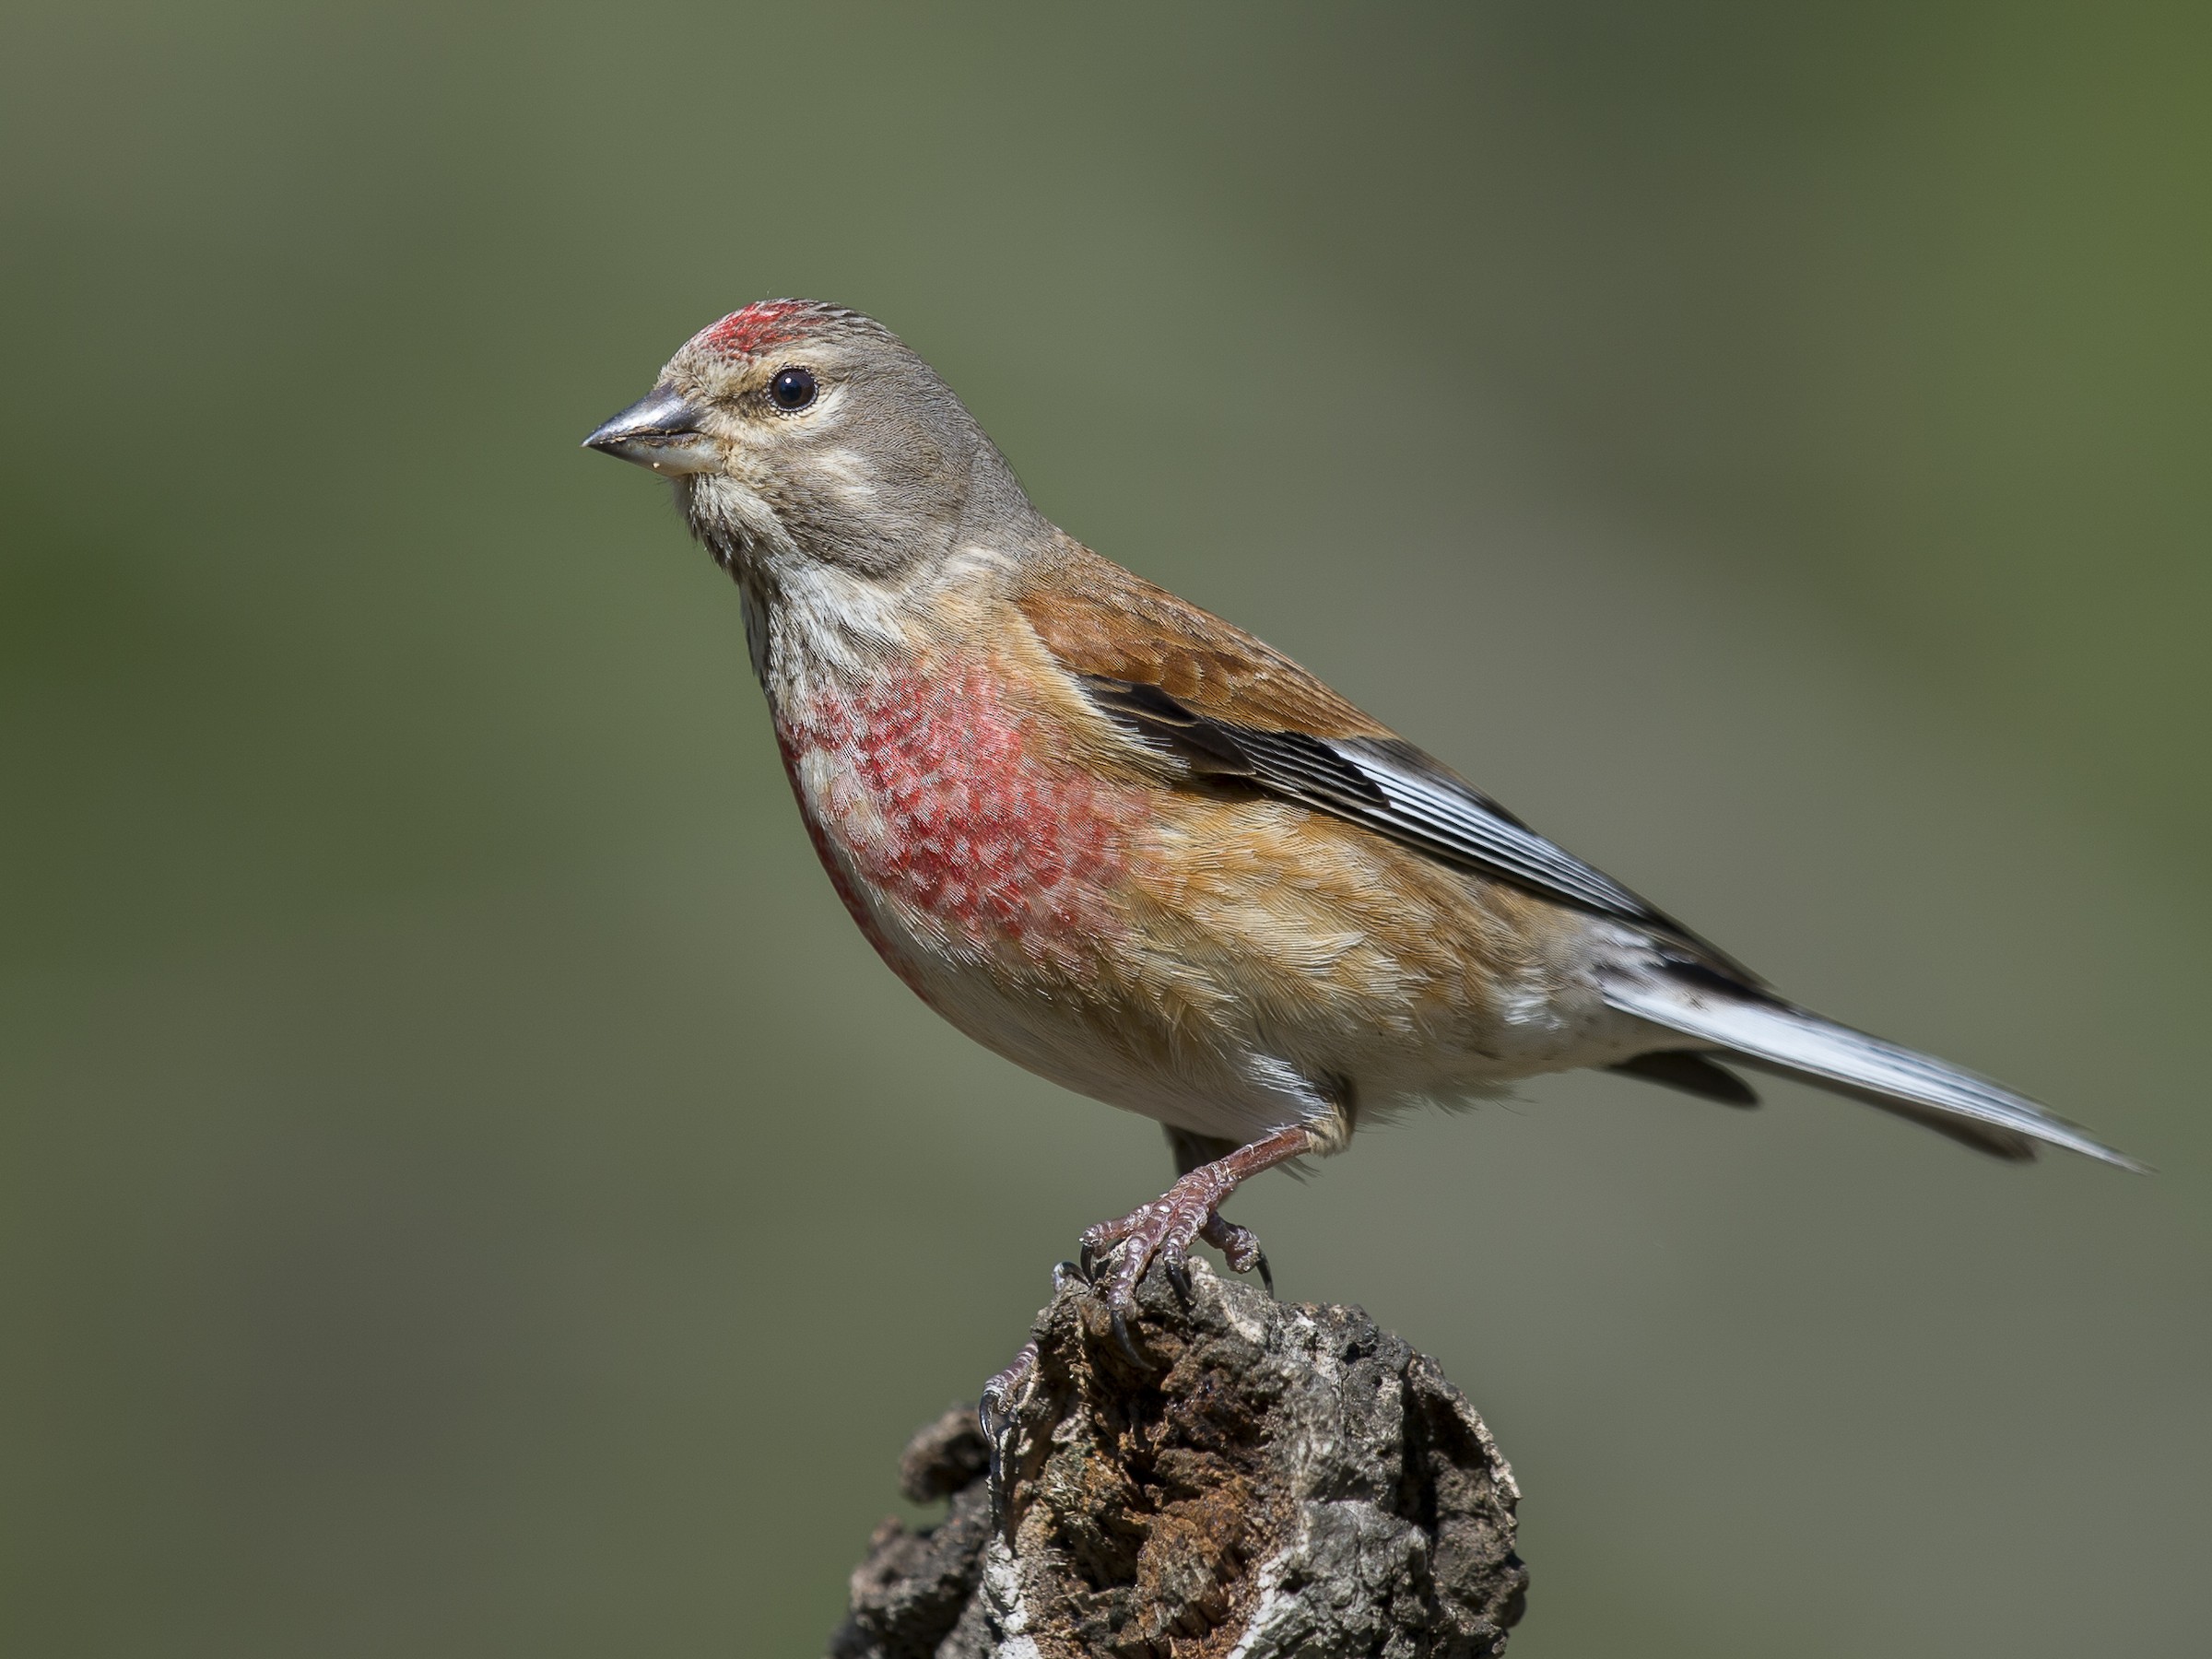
(1279, 1479)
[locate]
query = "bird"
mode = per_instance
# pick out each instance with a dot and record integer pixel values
(1128, 846)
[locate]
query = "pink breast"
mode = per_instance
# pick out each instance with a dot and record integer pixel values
(941, 792)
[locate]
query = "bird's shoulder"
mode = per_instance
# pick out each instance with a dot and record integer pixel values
(1105, 622)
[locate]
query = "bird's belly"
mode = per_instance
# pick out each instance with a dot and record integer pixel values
(1362, 962)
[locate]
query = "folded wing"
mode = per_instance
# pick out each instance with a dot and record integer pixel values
(1229, 707)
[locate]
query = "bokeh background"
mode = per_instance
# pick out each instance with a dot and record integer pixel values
(467, 1190)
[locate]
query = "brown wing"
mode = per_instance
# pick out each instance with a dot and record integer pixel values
(1233, 707)
(1101, 619)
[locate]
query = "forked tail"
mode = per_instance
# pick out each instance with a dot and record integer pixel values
(1775, 1037)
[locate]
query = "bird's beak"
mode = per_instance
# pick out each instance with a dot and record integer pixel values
(662, 431)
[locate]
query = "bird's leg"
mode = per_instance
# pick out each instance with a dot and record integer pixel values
(1162, 1229)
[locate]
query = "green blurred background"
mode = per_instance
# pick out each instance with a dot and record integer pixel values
(468, 1190)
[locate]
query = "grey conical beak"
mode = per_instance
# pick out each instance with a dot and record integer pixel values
(662, 431)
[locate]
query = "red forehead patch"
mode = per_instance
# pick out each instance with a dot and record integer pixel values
(763, 325)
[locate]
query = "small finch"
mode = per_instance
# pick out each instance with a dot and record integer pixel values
(1130, 847)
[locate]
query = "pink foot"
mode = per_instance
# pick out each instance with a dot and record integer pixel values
(1162, 1230)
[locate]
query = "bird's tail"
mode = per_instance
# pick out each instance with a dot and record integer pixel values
(1774, 1037)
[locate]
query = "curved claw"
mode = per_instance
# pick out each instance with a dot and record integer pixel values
(1240, 1247)
(1178, 1274)
(1126, 1344)
(992, 1417)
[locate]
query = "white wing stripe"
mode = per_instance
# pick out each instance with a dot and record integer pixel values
(1454, 818)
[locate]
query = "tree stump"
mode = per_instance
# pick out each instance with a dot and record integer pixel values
(1276, 1479)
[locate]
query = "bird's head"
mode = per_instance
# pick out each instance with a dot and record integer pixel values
(795, 429)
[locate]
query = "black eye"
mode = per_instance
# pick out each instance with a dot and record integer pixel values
(792, 389)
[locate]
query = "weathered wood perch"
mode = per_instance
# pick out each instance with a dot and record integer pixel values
(1287, 1479)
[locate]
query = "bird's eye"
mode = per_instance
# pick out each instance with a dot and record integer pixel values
(792, 389)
